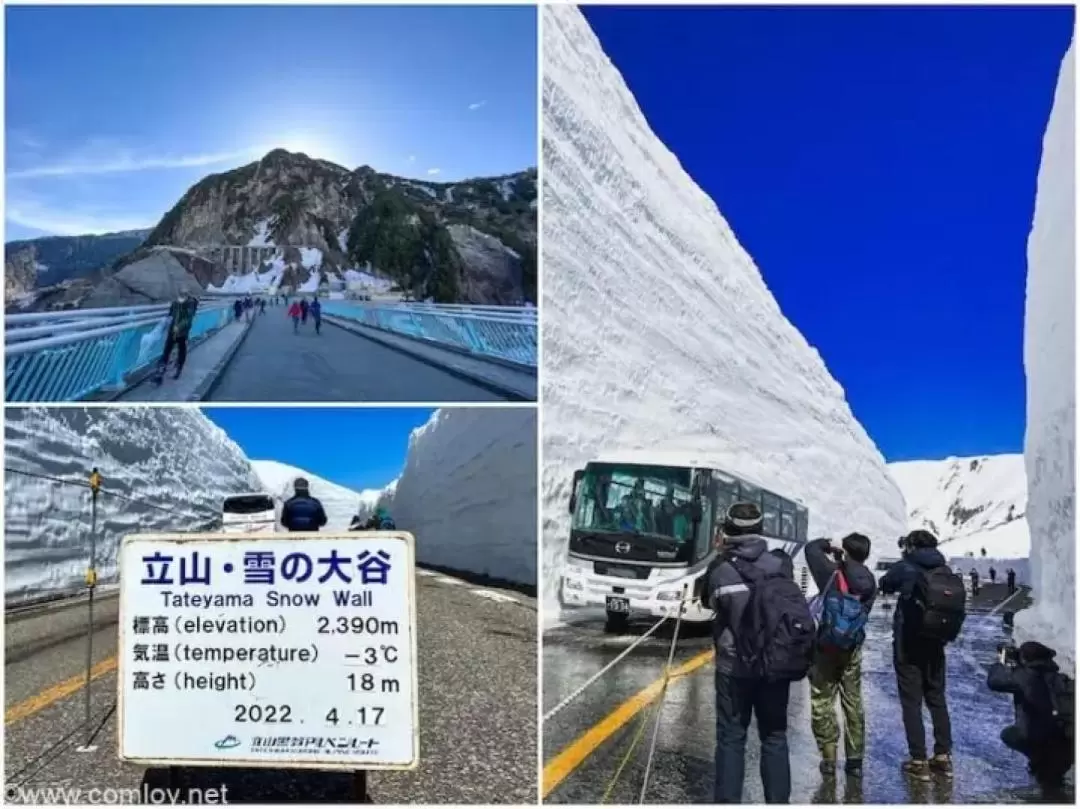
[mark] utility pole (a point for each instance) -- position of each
(91, 583)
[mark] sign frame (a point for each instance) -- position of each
(181, 539)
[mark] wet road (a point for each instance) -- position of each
(585, 743)
(478, 730)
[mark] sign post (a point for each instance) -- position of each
(288, 650)
(91, 583)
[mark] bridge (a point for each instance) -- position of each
(365, 351)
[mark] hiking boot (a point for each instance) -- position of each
(941, 764)
(828, 760)
(853, 767)
(916, 768)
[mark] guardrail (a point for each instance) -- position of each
(67, 356)
(501, 332)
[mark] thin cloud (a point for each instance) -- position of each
(125, 163)
(71, 222)
(476, 105)
(412, 158)
(433, 172)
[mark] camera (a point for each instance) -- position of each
(1008, 654)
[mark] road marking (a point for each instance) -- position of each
(494, 596)
(572, 756)
(448, 580)
(55, 693)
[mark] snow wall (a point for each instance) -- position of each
(468, 492)
(174, 464)
(658, 328)
(1049, 362)
(340, 503)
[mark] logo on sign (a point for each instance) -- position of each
(228, 743)
(622, 547)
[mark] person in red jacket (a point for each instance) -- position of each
(294, 313)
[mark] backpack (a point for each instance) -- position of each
(938, 605)
(386, 524)
(776, 636)
(843, 617)
(1061, 688)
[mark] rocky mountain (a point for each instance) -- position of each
(34, 264)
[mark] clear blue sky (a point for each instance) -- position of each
(880, 167)
(362, 448)
(114, 112)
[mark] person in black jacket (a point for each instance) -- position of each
(738, 699)
(836, 671)
(919, 664)
(1028, 676)
(302, 512)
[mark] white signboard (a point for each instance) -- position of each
(273, 650)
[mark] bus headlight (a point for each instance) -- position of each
(572, 584)
(668, 595)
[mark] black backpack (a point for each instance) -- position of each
(938, 605)
(776, 637)
(1061, 689)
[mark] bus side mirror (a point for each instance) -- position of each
(573, 494)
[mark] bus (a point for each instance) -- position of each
(254, 512)
(636, 559)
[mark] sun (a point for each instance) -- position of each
(310, 144)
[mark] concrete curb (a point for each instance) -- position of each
(511, 394)
(211, 380)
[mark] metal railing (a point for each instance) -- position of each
(68, 356)
(502, 332)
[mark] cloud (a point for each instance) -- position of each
(412, 158)
(476, 105)
(433, 171)
(71, 222)
(123, 162)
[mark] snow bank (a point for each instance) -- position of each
(174, 466)
(1049, 361)
(658, 328)
(340, 502)
(468, 492)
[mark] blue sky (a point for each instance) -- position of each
(880, 166)
(114, 112)
(362, 448)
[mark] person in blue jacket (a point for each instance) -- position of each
(302, 512)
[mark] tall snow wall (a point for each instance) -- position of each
(169, 468)
(1049, 362)
(468, 492)
(658, 328)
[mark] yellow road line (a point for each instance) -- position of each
(55, 693)
(571, 757)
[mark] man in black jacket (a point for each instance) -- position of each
(302, 512)
(1035, 733)
(919, 664)
(838, 671)
(738, 699)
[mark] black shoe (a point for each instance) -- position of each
(853, 767)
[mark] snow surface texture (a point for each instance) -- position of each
(174, 464)
(1049, 361)
(658, 328)
(340, 502)
(468, 492)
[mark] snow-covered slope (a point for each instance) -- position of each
(170, 466)
(969, 503)
(1049, 361)
(658, 328)
(468, 491)
(340, 502)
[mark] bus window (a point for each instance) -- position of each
(726, 494)
(749, 493)
(801, 527)
(787, 522)
(771, 514)
(246, 513)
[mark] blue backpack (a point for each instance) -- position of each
(843, 617)
(386, 524)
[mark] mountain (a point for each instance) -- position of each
(170, 467)
(340, 502)
(659, 331)
(31, 264)
(970, 504)
(1050, 367)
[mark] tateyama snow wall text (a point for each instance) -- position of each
(164, 469)
(468, 492)
(658, 328)
(1049, 362)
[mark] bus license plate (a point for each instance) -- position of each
(622, 572)
(618, 604)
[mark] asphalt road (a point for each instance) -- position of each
(585, 743)
(478, 728)
(275, 365)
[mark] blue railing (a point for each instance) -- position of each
(502, 332)
(69, 356)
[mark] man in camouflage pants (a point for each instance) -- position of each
(834, 670)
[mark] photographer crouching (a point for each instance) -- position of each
(1043, 702)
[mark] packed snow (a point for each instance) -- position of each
(468, 492)
(311, 257)
(1049, 362)
(340, 502)
(262, 235)
(169, 468)
(658, 327)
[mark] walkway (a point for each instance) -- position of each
(275, 365)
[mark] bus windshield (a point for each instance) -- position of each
(642, 500)
(248, 504)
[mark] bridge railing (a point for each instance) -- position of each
(68, 356)
(499, 332)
